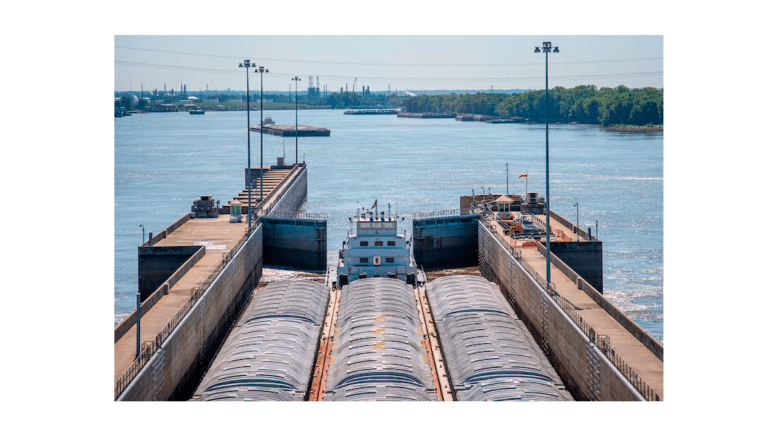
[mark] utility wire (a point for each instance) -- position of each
(389, 64)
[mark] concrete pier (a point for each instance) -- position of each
(598, 351)
(185, 318)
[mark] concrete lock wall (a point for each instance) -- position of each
(446, 241)
(295, 243)
(295, 194)
(640, 334)
(154, 297)
(589, 375)
(157, 264)
(173, 372)
(585, 258)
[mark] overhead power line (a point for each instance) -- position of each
(389, 64)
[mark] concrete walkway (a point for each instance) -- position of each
(218, 236)
(649, 367)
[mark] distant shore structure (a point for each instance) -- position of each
(290, 130)
(426, 115)
(371, 111)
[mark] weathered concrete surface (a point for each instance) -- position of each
(588, 372)
(218, 236)
(157, 263)
(170, 372)
(173, 371)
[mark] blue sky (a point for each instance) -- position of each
(422, 62)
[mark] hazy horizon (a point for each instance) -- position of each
(415, 63)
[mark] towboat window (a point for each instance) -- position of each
(364, 225)
(392, 243)
(389, 260)
(389, 225)
(362, 260)
(378, 243)
(377, 225)
(364, 243)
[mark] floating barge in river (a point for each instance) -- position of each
(488, 118)
(426, 115)
(289, 130)
(371, 111)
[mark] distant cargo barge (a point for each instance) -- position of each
(371, 111)
(426, 115)
(289, 130)
(488, 118)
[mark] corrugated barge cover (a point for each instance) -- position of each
(489, 351)
(378, 354)
(269, 354)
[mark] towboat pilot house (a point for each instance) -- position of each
(376, 250)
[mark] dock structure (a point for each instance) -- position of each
(290, 130)
(635, 354)
(194, 281)
(371, 112)
(272, 178)
(426, 115)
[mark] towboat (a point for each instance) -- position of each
(376, 250)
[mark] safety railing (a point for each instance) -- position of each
(297, 215)
(440, 213)
(600, 341)
(266, 209)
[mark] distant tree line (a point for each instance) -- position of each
(581, 104)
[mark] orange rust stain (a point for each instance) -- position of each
(429, 358)
(319, 379)
(379, 346)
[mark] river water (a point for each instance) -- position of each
(164, 161)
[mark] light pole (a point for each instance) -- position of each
(261, 70)
(507, 177)
(296, 120)
(577, 205)
(247, 64)
(137, 298)
(546, 48)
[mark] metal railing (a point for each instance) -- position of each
(602, 342)
(440, 213)
(296, 215)
(266, 209)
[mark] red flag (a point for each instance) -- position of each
(525, 175)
